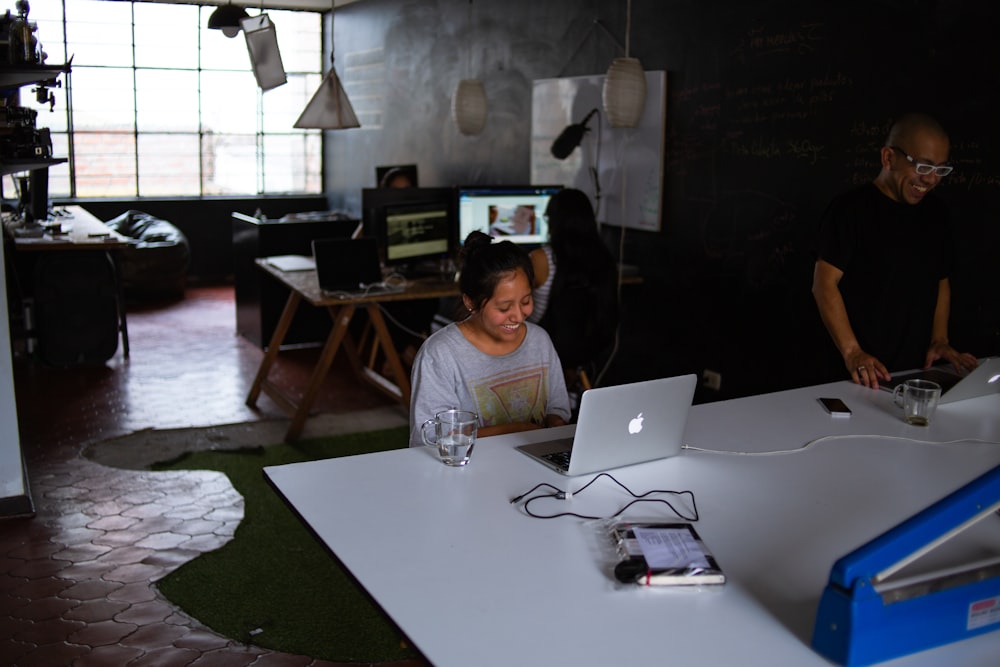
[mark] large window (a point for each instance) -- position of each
(158, 105)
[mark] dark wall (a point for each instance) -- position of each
(207, 224)
(772, 108)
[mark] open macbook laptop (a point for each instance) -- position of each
(350, 267)
(621, 425)
(981, 381)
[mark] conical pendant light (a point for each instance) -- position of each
(624, 92)
(329, 108)
(468, 104)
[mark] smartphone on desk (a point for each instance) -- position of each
(836, 407)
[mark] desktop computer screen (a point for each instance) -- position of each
(416, 231)
(411, 224)
(510, 212)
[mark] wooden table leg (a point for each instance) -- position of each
(116, 266)
(342, 318)
(392, 356)
(271, 353)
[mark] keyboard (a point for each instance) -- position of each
(559, 459)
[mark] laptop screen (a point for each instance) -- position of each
(346, 264)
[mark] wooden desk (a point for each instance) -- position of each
(81, 232)
(259, 298)
(303, 286)
(471, 580)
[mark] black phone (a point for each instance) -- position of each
(836, 407)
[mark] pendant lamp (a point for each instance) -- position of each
(227, 19)
(468, 104)
(624, 92)
(329, 108)
(262, 44)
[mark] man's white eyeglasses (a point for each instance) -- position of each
(924, 168)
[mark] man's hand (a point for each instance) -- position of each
(962, 361)
(865, 369)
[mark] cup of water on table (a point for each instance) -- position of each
(919, 399)
(452, 434)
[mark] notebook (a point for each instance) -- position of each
(983, 380)
(292, 262)
(350, 268)
(621, 425)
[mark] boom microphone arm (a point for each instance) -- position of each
(571, 137)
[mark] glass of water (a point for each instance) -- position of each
(919, 399)
(452, 434)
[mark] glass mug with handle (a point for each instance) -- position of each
(919, 399)
(453, 435)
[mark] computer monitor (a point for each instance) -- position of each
(508, 212)
(411, 224)
(416, 232)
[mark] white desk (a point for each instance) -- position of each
(472, 580)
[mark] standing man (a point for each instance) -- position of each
(885, 253)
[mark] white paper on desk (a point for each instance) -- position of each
(669, 548)
(292, 262)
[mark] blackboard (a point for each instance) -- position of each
(773, 107)
(622, 165)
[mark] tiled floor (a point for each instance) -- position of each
(77, 581)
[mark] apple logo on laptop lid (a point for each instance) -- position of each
(635, 425)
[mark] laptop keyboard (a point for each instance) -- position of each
(560, 459)
(946, 378)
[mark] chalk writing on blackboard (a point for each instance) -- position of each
(760, 41)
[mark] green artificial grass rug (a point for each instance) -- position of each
(274, 584)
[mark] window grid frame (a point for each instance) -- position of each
(302, 162)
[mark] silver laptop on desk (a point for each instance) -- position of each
(621, 425)
(981, 381)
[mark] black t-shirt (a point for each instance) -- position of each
(893, 256)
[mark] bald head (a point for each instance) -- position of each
(911, 125)
(915, 139)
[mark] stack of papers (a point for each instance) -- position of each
(292, 262)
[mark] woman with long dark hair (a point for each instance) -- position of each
(576, 282)
(492, 361)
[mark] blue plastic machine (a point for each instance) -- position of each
(864, 619)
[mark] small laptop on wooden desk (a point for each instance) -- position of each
(350, 268)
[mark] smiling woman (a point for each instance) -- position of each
(160, 105)
(493, 362)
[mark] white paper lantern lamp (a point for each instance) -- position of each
(624, 92)
(468, 106)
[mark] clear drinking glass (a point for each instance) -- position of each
(453, 435)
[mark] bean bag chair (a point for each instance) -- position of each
(157, 259)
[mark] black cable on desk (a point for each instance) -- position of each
(567, 495)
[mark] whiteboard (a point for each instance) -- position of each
(625, 160)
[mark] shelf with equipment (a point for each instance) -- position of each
(25, 148)
(17, 76)
(13, 166)
(33, 146)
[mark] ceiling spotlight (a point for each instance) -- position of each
(227, 19)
